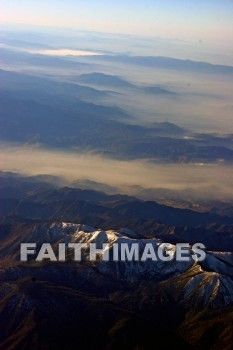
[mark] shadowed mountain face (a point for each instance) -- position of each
(35, 199)
(107, 297)
(44, 307)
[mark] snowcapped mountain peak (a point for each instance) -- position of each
(200, 282)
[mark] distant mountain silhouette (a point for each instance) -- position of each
(156, 90)
(103, 79)
(168, 63)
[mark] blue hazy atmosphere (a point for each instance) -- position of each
(206, 19)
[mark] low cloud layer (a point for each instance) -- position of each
(209, 181)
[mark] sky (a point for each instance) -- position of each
(184, 19)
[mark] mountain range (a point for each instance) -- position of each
(172, 297)
(32, 107)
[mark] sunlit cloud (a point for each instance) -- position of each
(65, 52)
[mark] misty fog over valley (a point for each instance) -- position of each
(170, 117)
